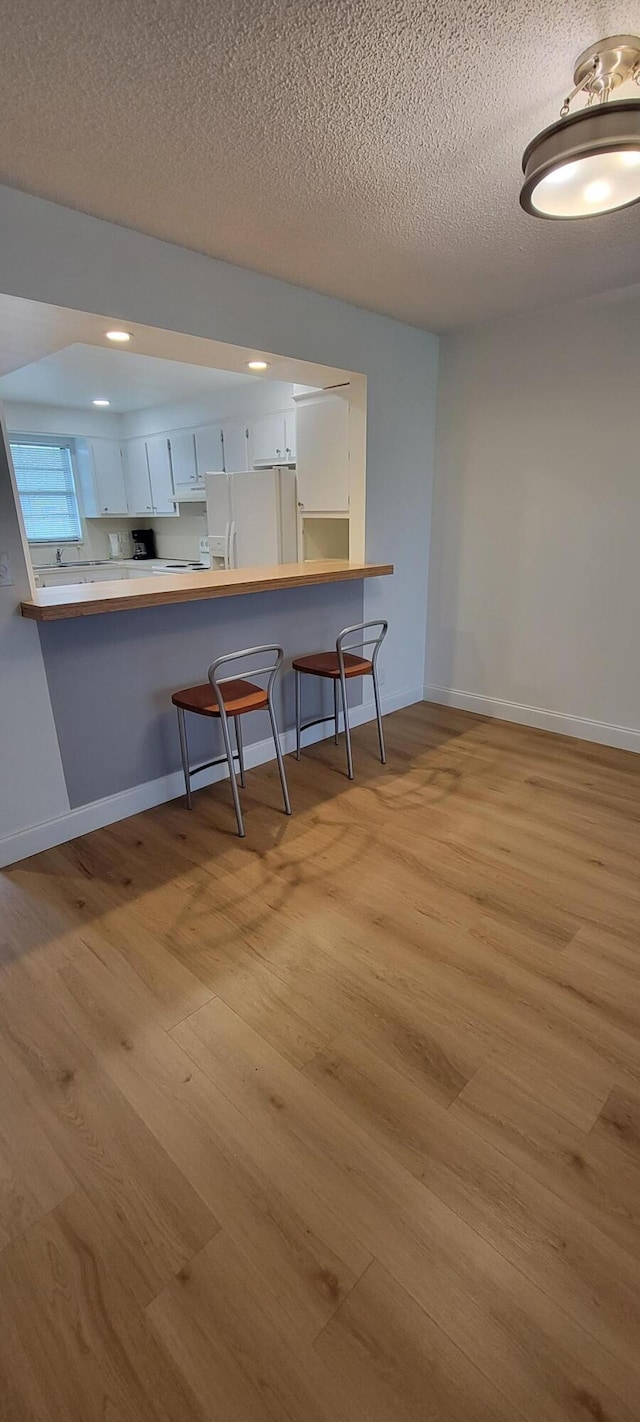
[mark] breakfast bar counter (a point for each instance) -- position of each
(87, 599)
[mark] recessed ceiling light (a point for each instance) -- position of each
(121, 336)
(101, 402)
(258, 364)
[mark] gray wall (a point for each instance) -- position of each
(52, 254)
(27, 727)
(535, 577)
(111, 678)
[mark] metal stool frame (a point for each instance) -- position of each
(217, 682)
(341, 648)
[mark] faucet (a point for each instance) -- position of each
(59, 557)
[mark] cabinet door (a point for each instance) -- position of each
(183, 459)
(209, 456)
(106, 575)
(111, 494)
(136, 473)
(322, 459)
(267, 438)
(235, 440)
(290, 434)
(159, 461)
(63, 579)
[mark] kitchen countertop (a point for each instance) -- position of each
(87, 599)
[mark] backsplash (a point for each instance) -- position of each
(180, 537)
(175, 538)
(95, 543)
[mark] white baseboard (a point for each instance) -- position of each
(169, 787)
(623, 737)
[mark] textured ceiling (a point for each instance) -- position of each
(365, 148)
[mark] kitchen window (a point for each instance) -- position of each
(46, 485)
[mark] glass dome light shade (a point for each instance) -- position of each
(584, 165)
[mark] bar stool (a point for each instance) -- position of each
(340, 666)
(231, 697)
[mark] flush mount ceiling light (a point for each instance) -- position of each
(258, 364)
(101, 402)
(589, 162)
(120, 336)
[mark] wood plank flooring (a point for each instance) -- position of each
(340, 1123)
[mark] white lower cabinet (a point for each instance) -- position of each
(105, 574)
(67, 577)
(64, 578)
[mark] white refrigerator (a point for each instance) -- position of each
(252, 518)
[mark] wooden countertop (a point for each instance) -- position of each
(86, 599)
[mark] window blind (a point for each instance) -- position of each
(44, 475)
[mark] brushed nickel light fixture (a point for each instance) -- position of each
(589, 162)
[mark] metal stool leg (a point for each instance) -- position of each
(297, 689)
(240, 743)
(335, 711)
(182, 732)
(347, 729)
(376, 693)
(276, 742)
(224, 722)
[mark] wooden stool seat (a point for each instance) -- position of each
(230, 698)
(328, 664)
(239, 696)
(339, 667)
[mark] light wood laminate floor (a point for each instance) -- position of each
(340, 1123)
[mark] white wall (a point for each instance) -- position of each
(26, 418)
(534, 596)
(248, 399)
(52, 254)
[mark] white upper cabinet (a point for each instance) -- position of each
(101, 476)
(182, 447)
(209, 456)
(160, 478)
(136, 470)
(267, 442)
(290, 434)
(235, 442)
(322, 460)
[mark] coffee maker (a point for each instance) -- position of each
(144, 543)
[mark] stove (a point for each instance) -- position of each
(183, 568)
